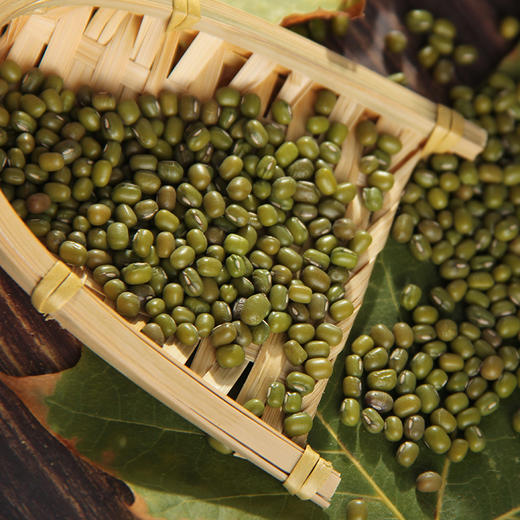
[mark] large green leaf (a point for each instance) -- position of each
(168, 462)
(484, 486)
(163, 457)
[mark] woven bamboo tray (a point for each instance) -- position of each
(129, 47)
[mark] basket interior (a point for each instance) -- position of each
(128, 54)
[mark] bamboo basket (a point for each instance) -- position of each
(129, 47)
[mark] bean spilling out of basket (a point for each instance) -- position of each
(197, 217)
(439, 50)
(429, 381)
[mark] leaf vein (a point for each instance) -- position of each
(388, 279)
(143, 453)
(361, 469)
(122, 421)
(507, 514)
(440, 495)
(228, 497)
(359, 495)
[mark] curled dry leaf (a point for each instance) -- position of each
(289, 12)
(354, 11)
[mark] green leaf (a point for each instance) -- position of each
(510, 65)
(276, 11)
(168, 463)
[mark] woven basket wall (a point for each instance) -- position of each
(126, 54)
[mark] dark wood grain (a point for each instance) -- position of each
(40, 478)
(476, 21)
(31, 345)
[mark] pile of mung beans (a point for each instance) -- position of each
(305, 346)
(440, 51)
(321, 30)
(200, 217)
(429, 381)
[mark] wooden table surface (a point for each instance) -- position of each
(39, 477)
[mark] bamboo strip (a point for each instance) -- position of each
(257, 75)
(68, 28)
(88, 52)
(297, 91)
(84, 64)
(135, 79)
(295, 86)
(251, 352)
(9, 36)
(110, 68)
(348, 113)
(266, 369)
(224, 379)
(147, 44)
(111, 27)
(233, 62)
(178, 352)
(31, 40)
(204, 358)
(253, 73)
(198, 70)
(163, 62)
(98, 22)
